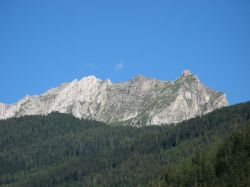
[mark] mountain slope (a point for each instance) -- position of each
(223, 165)
(139, 101)
(61, 150)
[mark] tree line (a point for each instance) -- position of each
(61, 150)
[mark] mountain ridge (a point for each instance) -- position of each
(141, 100)
(61, 150)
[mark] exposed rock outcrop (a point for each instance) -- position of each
(138, 101)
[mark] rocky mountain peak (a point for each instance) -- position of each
(140, 78)
(90, 78)
(186, 73)
(188, 78)
(140, 101)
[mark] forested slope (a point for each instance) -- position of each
(60, 150)
(223, 165)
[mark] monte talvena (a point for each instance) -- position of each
(139, 101)
(95, 133)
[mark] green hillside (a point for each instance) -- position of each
(224, 165)
(60, 150)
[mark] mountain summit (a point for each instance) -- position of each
(138, 101)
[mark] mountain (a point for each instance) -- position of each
(59, 150)
(138, 101)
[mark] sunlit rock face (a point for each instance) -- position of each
(139, 101)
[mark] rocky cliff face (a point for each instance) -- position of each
(138, 101)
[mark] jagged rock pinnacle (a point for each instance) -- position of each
(186, 72)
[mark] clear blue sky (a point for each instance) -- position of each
(48, 42)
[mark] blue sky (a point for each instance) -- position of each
(48, 42)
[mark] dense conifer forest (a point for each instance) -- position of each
(63, 151)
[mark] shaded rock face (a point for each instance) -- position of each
(138, 101)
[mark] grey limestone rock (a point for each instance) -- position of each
(140, 101)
